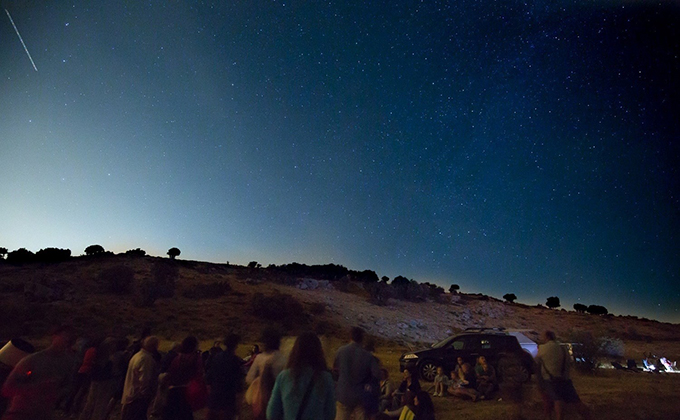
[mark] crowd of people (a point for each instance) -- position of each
(91, 382)
(91, 379)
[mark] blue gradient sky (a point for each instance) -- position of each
(510, 147)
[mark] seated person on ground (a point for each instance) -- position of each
(410, 383)
(468, 384)
(458, 368)
(386, 390)
(418, 406)
(487, 382)
(440, 382)
(406, 409)
(424, 407)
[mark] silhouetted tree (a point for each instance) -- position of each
(94, 249)
(3, 252)
(553, 302)
(400, 281)
(400, 286)
(580, 308)
(320, 272)
(366, 276)
(384, 279)
(510, 297)
(20, 256)
(173, 252)
(434, 290)
(379, 292)
(136, 252)
(252, 264)
(52, 255)
(416, 291)
(597, 310)
(454, 288)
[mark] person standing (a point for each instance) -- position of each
(119, 364)
(225, 379)
(82, 379)
(102, 383)
(140, 381)
(264, 371)
(271, 341)
(167, 359)
(304, 390)
(34, 383)
(355, 368)
(553, 361)
(187, 366)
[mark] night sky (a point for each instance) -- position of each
(506, 146)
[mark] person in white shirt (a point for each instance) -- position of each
(140, 381)
(271, 341)
(270, 363)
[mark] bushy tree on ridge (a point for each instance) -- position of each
(94, 249)
(552, 302)
(580, 308)
(173, 253)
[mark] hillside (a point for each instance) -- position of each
(211, 299)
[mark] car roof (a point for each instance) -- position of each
(485, 333)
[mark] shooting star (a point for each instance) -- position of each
(21, 39)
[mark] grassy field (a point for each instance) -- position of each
(611, 394)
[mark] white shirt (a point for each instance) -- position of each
(277, 360)
(141, 376)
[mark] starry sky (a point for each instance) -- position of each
(526, 147)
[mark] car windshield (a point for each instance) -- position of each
(442, 343)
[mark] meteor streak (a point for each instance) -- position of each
(21, 39)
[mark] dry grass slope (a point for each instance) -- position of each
(211, 299)
(73, 293)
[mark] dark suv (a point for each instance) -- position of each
(494, 344)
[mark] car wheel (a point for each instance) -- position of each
(428, 370)
(511, 368)
(524, 374)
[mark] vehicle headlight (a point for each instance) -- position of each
(409, 356)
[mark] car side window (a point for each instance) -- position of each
(497, 343)
(458, 344)
(470, 343)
